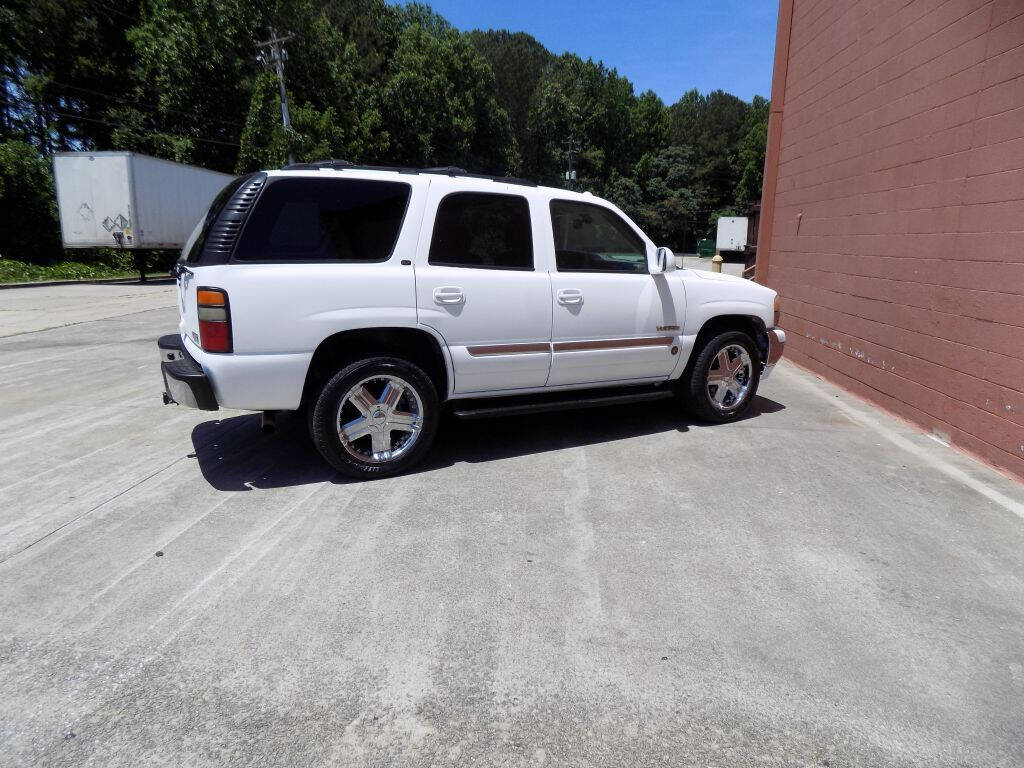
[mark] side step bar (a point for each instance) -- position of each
(484, 408)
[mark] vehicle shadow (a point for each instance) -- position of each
(234, 456)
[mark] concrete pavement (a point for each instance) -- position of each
(815, 585)
(36, 308)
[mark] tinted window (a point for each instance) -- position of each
(481, 230)
(590, 238)
(211, 216)
(325, 220)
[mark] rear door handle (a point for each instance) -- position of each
(570, 296)
(449, 295)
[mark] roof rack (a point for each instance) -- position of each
(448, 170)
(445, 170)
(317, 164)
(452, 170)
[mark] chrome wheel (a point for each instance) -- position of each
(380, 419)
(729, 377)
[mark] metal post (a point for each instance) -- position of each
(285, 120)
(273, 54)
(571, 148)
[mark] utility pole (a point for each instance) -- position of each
(272, 55)
(571, 148)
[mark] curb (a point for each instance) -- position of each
(161, 279)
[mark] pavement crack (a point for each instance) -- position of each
(87, 512)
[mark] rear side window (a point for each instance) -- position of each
(591, 238)
(344, 220)
(482, 230)
(193, 253)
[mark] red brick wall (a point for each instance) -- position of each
(897, 238)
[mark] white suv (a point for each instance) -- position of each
(370, 297)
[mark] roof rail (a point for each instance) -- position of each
(331, 163)
(513, 180)
(453, 170)
(450, 170)
(446, 170)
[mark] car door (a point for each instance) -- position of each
(477, 286)
(612, 321)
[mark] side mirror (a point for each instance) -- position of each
(664, 260)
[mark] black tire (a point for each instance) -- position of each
(696, 391)
(358, 460)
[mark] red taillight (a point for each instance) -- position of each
(214, 320)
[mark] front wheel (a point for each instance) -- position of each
(724, 377)
(375, 417)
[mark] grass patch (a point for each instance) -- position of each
(12, 271)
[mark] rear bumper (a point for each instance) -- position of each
(776, 345)
(185, 383)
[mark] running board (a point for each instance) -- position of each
(487, 407)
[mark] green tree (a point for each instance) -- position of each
(675, 197)
(519, 63)
(314, 134)
(712, 125)
(593, 105)
(193, 78)
(751, 154)
(335, 70)
(650, 124)
(264, 143)
(367, 81)
(28, 210)
(439, 103)
(63, 63)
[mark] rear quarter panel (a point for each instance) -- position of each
(281, 312)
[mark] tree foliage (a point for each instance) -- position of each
(28, 208)
(367, 81)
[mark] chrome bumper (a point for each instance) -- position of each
(776, 344)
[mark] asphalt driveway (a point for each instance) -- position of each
(815, 585)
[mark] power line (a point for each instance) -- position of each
(158, 133)
(97, 4)
(132, 102)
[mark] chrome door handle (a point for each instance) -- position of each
(570, 296)
(449, 295)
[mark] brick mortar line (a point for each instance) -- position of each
(861, 114)
(894, 56)
(902, 51)
(891, 325)
(903, 282)
(882, 301)
(850, 335)
(844, 255)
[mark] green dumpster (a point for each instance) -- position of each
(706, 247)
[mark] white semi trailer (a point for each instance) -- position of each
(731, 236)
(128, 200)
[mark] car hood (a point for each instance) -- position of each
(719, 276)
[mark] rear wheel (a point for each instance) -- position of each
(724, 377)
(375, 417)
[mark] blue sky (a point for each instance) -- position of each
(668, 46)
